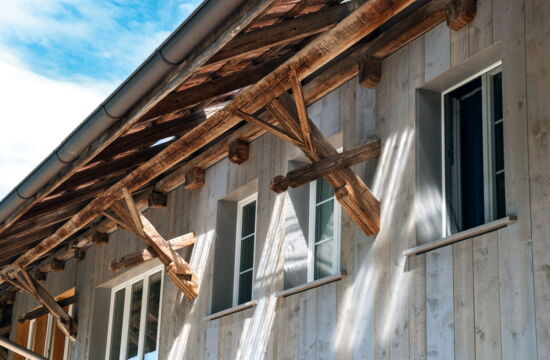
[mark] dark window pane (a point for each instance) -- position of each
(247, 253)
(324, 218)
(116, 326)
(323, 259)
(152, 317)
(324, 190)
(249, 219)
(500, 195)
(134, 320)
(499, 147)
(497, 96)
(465, 120)
(245, 287)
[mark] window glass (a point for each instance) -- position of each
(116, 327)
(323, 244)
(152, 317)
(500, 197)
(134, 320)
(246, 255)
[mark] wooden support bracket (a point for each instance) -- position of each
(238, 151)
(194, 178)
(147, 254)
(460, 13)
(357, 199)
(64, 321)
(176, 267)
(323, 167)
(370, 71)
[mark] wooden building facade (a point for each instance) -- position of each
(417, 270)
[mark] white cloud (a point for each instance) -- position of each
(36, 114)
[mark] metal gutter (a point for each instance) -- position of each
(172, 52)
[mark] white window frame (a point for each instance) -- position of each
(236, 271)
(311, 233)
(488, 135)
(144, 302)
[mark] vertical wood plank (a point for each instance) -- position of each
(326, 319)
(464, 300)
(416, 265)
(439, 304)
(538, 115)
(438, 54)
(481, 28)
(308, 325)
(381, 243)
(518, 334)
(486, 295)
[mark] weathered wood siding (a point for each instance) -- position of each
(483, 298)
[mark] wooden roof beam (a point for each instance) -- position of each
(281, 33)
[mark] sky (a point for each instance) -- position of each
(59, 59)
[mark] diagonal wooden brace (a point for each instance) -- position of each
(359, 202)
(176, 267)
(64, 321)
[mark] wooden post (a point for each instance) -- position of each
(370, 71)
(238, 151)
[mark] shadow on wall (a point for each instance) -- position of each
(379, 274)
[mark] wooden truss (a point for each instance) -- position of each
(26, 283)
(296, 127)
(130, 218)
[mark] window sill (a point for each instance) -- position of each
(463, 235)
(232, 310)
(310, 285)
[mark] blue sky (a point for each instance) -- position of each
(59, 59)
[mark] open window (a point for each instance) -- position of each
(473, 155)
(460, 179)
(135, 317)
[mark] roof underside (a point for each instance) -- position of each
(239, 64)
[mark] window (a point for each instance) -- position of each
(134, 318)
(324, 231)
(244, 250)
(473, 153)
